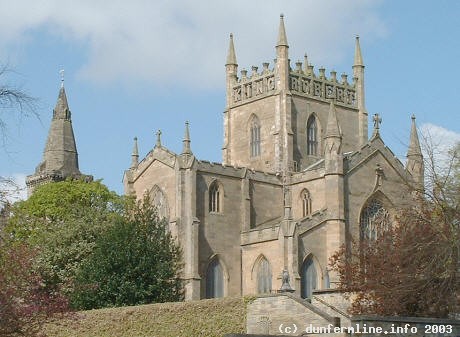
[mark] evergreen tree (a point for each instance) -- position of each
(135, 261)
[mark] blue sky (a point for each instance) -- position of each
(131, 70)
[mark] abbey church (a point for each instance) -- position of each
(299, 177)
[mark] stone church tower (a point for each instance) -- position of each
(60, 157)
(299, 177)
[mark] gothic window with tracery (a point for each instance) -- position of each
(215, 197)
(160, 201)
(312, 136)
(306, 203)
(214, 280)
(255, 138)
(264, 277)
(374, 220)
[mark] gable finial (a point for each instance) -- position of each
(377, 121)
(158, 144)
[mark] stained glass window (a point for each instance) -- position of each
(374, 220)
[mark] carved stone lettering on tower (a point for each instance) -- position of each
(322, 88)
(261, 84)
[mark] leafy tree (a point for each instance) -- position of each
(410, 270)
(24, 302)
(63, 219)
(413, 269)
(135, 261)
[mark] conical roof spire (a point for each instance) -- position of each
(282, 39)
(61, 110)
(358, 56)
(186, 147)
(135, 155)
(414, 145)
(333, 129)
(60, 157)
(60, 153)
(231, 56)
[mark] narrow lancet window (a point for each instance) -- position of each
(312, 136)
(306, 203)
(264, 277)
(255, 138)
(215, 198)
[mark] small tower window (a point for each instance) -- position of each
(255, 138)
(215, 197)
(306, 202)
(312, 136)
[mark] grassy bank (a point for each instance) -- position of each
(208, 318)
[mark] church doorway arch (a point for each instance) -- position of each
(308, 278)
(215, 279)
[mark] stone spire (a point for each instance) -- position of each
(282, 39)
(231, 56)
(186, 147)
(415, 165)
(60, 153)
(283, 139)
(60, 157)
(358, 56)
(358, 74)
(414, 145)
(135, 155)
(231, 70)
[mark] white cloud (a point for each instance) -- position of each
(440, 139)
(179, 43)
(436, 143)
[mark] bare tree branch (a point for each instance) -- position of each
(13, 101)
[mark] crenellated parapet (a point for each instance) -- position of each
(257, 85)
(302, 81)
(306, 83)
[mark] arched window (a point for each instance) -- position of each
(214, 280)
(308, 278)
(264, 277)
(312, 136)
(255, 137)
(215, 197)
(374, 220)
(160, 201)
(306, 202)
